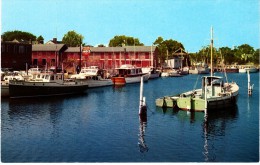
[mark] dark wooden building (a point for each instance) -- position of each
(15, 54)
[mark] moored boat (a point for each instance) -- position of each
(250, 68)
(94, 77)
(5, 79)
(153, 73)
(129, 74)
(214, 94)
(46, 85)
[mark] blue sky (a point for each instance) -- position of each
(235, 22)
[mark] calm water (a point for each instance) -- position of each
(103, 126)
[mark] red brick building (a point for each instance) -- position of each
(15, 54)
(113, 57)
(47, 54)
(104, 57)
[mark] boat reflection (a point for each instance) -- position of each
(214, 124)
(141, 141)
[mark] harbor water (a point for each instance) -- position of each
(103, 125)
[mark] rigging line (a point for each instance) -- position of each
(194, 87)
(224, 69)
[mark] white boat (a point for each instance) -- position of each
(129, 74)
(169, 72)
(5, 79)
(153, 73)
(46, 84)
(86, 71)
(94, 76)
(250, 68)
(199, 70)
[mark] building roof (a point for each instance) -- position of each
(73, 49)
(48, 47)
(124, 48)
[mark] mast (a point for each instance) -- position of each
(211, 53)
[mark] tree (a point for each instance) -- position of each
(124, 41)
(18, 35)
(244, 53)
(166, 45)
(227, 54)
(72, 39)
(255, 58)
(40, 39)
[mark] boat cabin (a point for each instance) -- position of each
(214, 86)
(129, 70)
(47, 77)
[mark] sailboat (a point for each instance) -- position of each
(214, 94)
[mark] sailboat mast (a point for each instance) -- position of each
(211, 53)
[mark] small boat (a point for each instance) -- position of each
(231, 69)
(5, 79)
(153, 73)
(214, 94)
(169, 72)
(46, 84)
(174, 73)
(129, 74)
(250, 68)
(199, 70)
(94, 77)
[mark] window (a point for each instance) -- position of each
(35, 61)
(2, 48)
(43, 61)
(21, 49)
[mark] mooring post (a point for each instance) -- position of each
(249, 86)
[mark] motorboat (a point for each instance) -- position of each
(129, 74)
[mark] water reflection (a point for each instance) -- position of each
(214, 124)
(141, 141)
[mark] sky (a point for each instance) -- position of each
(235, 22)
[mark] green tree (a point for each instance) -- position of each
(244, 53)
(18, 35)
(255, 58)
(166, 45)
(72, 39)
(40, 39)
(123, 40)
(227, 54)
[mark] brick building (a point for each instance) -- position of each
(113, 57)
(47, 54)
(15, 54)
(104, 57)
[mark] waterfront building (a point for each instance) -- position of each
(47, 54)
(114, 57)
(103, 57)
(15, 54)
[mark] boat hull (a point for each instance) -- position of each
(129, 79)
(37, 89)
(118, 80)
(193, 104)
(99, 83)
(4, 90)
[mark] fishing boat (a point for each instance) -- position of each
(129, 74)
(214, 94)
(46, 84)
(94, 77)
